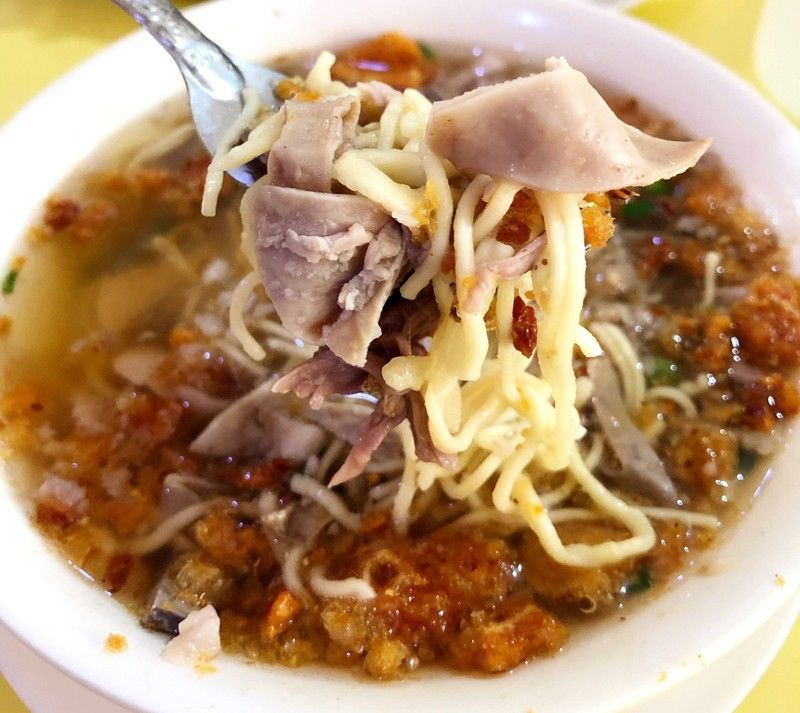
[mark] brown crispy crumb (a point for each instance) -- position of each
(93, 220)
(764, 402)
(385, 658)
(287, 89)
(448, 261)
(703, 457)
(5, 324)
(117, 572)
(53, 515)
(524, 328)
(767, 322)
(522, 220)
(494, 643)
(374, 520)
(705, 341)
(178, 336)
(115, 643)
(20, 400)
(712, 198)
(283, 609)
(577, 589)
(257, 476)
(598, 223)
(60, 213)
(237, 547)
(392, 58)
(293, 89)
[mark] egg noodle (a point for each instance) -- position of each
(510, 420)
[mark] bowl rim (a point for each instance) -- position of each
(35, 636)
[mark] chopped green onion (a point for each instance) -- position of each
(661, 371)
(10, 281)
(641, 582)
(659, 188)
(747, 460)
(638, 210)
(427, 50)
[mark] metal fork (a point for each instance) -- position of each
(215, 80)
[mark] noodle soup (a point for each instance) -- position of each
(103, 413)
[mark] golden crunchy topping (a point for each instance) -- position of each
(767, 322)
(703, 457)
(115, 643)
(281, 612)
(179, 335)
(522, 221)
(392, 58)
(598, 223)
(524, 328)
(294, 89)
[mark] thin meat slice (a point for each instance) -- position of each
(259, 425)
(523, 130)
(346, 419)
(378, 426)
(363, 297)
(507, 268)
(328, 263)
(315, 133)
(423, 443)
(321, 376)
(642, 469)
(377, 93)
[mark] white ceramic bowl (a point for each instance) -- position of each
(606, 667)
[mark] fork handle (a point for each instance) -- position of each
(201, 61)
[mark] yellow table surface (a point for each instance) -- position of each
(41, 39)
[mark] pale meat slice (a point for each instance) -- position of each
(552, 131)
(259, 425)
(641, 469)
(378, 93)
(346, 419)
(314, 134)
(328, 263)
(363, 297)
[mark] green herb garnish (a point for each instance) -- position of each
(10, 281)
(641, 582)
(747, 460)
(427, 50)
(659, 188)
(638, 209)
(663, 372)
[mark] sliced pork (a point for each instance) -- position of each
(346, 419)
(641, 468)
(363, 297)
(375, 430)
(259, 425)
(315, 133)
(552, 131)
(328, 263)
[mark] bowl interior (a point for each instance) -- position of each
(610, 665)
